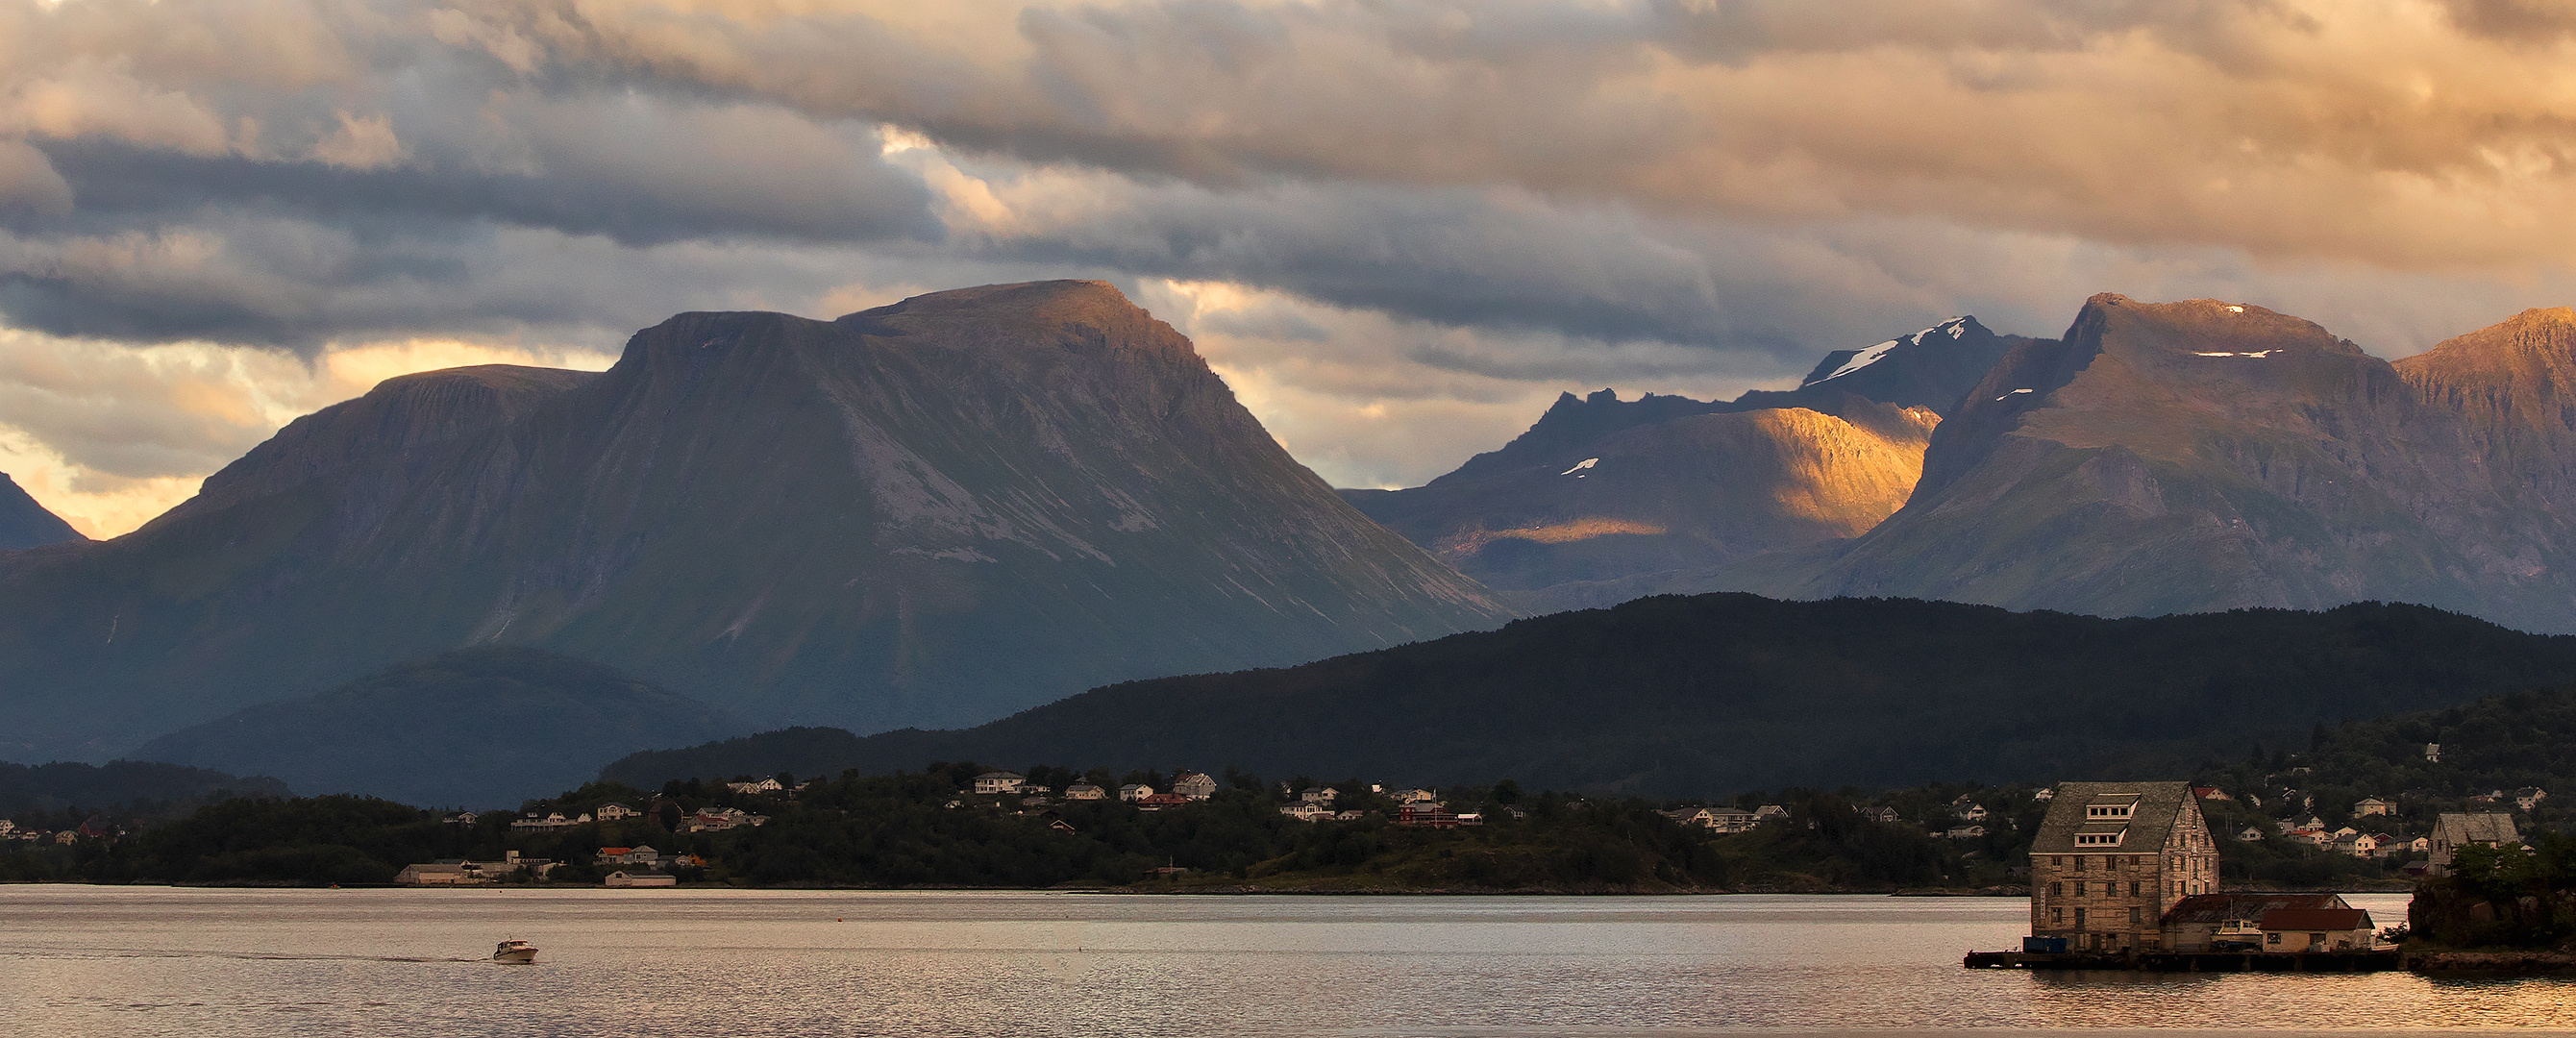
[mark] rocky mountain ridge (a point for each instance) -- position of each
(2157, 458)
(1601, 493)
(24, 523)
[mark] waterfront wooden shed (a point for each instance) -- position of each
(2317, 930)
(2203, 922)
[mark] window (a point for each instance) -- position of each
(2057, 890)
(2110, 889)
(2133, 890)
(2271, 938)
(2133, 917)
(2079, 863)
(2106, 811)
(2101, 840)
(2079, 918)
(2057, 915)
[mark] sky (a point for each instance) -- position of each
(1398, 228)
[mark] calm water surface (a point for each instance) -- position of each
(150, 961)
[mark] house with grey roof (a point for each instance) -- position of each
(2454, 830)
(2112, 858)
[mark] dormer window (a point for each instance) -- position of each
(2114, 811)
(2099, 839)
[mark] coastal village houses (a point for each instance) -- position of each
(2112, 858)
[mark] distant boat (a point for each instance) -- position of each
(518, 953)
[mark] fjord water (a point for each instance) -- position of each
(124, 961)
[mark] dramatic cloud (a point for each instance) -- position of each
(1398, 227)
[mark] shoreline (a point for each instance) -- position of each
(1221, 890)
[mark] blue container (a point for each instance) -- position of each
(2044, 945)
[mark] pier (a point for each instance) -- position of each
(2194, 962)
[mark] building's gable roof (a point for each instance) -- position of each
(2483, 827)
(2316, 919)
(2220, 908)
(2158, 804)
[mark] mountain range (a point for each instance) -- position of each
(1604, 490)
(934, 512)
(2157, 458)
(1727, 693)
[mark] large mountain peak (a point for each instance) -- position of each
(1926, 368)
(1073, 316)
(1840, 363)
(398, 418)
(2514, 383)
(2536, 344)
(947, 509)
(1063, 302)
(2200, 454)
(27, 524)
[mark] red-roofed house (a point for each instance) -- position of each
(2316, 929)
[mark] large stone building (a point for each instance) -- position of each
(2112, 858)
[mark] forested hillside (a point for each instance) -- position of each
(1715, 694)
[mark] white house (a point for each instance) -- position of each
(1194, 785)
(999, 782)
(1134, 791)
(1085, 791)
(617, 812)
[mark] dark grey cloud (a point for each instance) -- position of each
(2531, 21)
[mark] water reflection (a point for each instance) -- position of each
(78, 961)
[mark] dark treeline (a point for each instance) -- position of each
(2502, 742)
(63, 794)
(921, 829)
(1700, 695)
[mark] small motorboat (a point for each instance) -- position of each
(517, 953)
